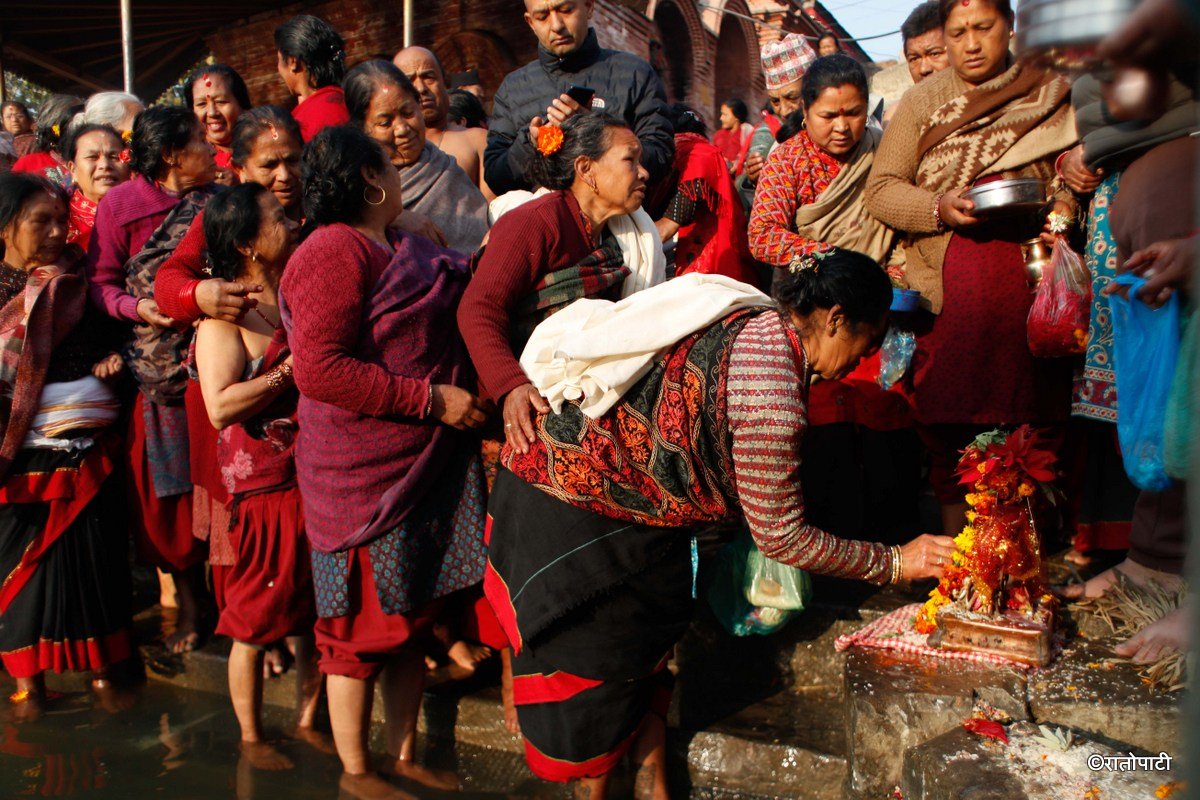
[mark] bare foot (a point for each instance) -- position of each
(265, 757)
(433, 778)
(469, 655)
(1100, 584)
(274, 661)
(29, 705)
(1077, 558)
(318, 740)
(369, 786)
(1167, 635)
(183, 640)
(511, 722)
(111, 698)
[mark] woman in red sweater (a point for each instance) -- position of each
(311, 61)
(265, 149)
(550, 252)
(392, 487)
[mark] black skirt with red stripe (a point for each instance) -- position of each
(72, 611)
(594, 607)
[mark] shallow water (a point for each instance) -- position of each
(182, 744)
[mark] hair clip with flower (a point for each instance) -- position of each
(810, 261)
(549, 140)
(125, 156)
(127, 137)
(56, 130)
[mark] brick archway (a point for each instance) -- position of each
(737, 60)
(680, 52)
(480, 49)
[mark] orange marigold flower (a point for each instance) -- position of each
(550, 139)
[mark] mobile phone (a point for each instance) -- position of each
(582, 95)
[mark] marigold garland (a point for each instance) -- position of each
(1007, 472)
(549, 140)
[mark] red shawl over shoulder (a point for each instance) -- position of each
(715, 243)
(32, 324)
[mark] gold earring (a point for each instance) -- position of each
(382, 192)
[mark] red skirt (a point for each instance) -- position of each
(268, 592)
(973, 366)
(162, 526)
(359, 644)
(210, 500)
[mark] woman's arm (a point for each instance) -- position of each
(773, 239)
(892, 195)
(507, 272)
(107, 255)
(221, 362)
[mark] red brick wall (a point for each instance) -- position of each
(489, 34)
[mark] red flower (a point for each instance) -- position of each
(125, 156)
(986, 727)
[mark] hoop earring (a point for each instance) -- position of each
(382, 192)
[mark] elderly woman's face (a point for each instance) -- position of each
(394, 119)
(977, 37)
(276, 233)
(837, 346)
(15, 121)
(274, 162)
(97, 166)
(836, 119)
(618, 176)
(38, 234)
(217, 109)
(194, 165)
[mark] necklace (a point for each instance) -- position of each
(263, 317)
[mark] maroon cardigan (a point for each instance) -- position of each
(529, 242)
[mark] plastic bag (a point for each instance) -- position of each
(1145, 352)
(1058, 320)
(895, 354)
(770, 584)
(1183, 406)
(727, 593)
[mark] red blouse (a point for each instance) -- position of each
(324, 107)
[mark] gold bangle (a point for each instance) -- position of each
(279, 377)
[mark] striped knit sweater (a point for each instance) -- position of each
(768, 418)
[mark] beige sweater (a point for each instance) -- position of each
(893, 197)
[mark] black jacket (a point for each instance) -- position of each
(626, 87)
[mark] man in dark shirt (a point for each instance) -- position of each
(569, 54)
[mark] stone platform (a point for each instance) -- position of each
(787, 716)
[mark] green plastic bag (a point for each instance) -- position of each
(770, 584)
(738, 568)
(1183, 404)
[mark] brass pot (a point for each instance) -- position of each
(1037, 257)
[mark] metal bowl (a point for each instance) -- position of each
(1005, 196)
(1066, 32)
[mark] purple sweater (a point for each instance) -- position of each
(126, 218)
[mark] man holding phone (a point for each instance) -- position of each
(573, 73)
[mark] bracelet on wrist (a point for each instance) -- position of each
(279, 377)
(428, 410)
(937, 212)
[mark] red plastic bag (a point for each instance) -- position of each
(1058, 321)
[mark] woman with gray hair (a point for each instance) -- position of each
(116, 109)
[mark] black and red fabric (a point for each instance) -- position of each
(571, 597)
(66, 601)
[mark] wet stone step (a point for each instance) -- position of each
(1091, 690)
(961, 766)
(785, 746)
(895, 701)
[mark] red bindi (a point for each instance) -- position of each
(208, 80)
